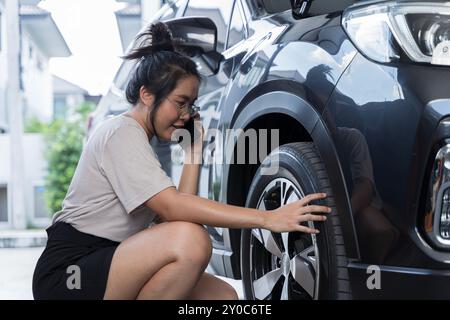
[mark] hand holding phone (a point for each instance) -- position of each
(190, 127)
(194, 132)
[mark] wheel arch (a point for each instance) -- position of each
(283, 108)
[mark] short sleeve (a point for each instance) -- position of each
(131, 167)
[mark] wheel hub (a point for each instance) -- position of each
(292, 265)
(286, 264)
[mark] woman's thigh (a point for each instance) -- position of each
(142, 255)
(210, 287)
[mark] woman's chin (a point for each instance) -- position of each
(169, 134)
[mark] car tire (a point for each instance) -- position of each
(315, 265)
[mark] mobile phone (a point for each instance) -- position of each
(190, 127)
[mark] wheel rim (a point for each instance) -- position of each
(283, 266)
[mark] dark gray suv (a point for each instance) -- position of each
(359, 93)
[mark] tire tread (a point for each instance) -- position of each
(308, 152)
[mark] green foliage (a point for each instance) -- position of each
(34, 125)
(64, 140)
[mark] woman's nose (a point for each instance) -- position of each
(185, 117)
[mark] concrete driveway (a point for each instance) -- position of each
(16, 273)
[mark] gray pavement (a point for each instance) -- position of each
(16, 273)
(23, 238)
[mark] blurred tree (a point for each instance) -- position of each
(64, 140)
(34, 125)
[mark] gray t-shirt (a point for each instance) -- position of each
(117, 173)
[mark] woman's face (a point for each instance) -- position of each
(169, 117)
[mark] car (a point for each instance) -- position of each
(358, 96)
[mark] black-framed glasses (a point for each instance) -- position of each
(186, 108)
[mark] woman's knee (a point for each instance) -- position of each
(192, 242)
(229, 293)
(170, 241)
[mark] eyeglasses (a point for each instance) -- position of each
(186, 108)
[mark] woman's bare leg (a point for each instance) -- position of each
(210, 287)
(163, 262)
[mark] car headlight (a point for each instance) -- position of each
(421, 29)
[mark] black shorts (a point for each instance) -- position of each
(74, 265)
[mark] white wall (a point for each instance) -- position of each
(3, 68)
(36, 77)
(4, 159)
(37, 81)
(35, 168)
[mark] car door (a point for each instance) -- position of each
(231, 32)
(213, 84)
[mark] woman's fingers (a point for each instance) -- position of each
(307, 230)
(294, 214)
(312, 217)
(311, 197)
(314, 208)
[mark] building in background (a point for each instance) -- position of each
(40, 40)
(3, 75)
(135, 15)
(67, 97)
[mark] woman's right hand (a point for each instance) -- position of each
(289, 217)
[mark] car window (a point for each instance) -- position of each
(318, 7)
(236, 33)
(172, 10)
(218, 11)
(246, 9)
(168, 14)
(275, 6)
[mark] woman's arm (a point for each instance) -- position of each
(182, 204)
(172, 205)
(189, 176)
(192, 162)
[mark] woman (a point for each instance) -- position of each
(100, 245)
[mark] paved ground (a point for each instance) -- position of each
(16, 272)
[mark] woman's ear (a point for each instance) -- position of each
(147, 98)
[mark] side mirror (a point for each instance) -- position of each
(197, 37)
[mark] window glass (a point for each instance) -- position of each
(59, 107)
(172, 10)
(236, 33)
(217, 11)
(3, 204)
(40, 206)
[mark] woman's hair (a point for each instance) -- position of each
(160, 68)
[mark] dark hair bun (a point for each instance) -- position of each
(161, 37)
(157, 38)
